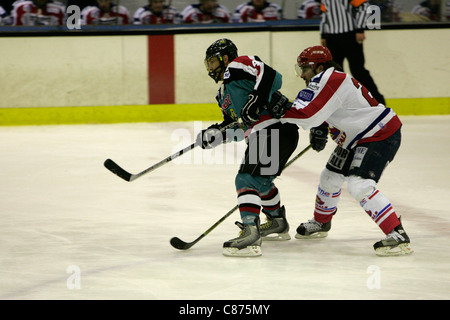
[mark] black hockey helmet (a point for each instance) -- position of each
(218, 49)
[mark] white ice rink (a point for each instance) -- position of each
(70, 229)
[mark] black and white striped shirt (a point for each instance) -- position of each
(342, 16)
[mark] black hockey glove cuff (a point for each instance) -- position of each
(210, 137)
(278, 105)
(217, 134)
(318, 137)
(251, 109)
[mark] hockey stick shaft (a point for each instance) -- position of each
(122, 173)
(180, 244)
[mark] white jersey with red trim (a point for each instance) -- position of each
(26, 13)
(193, 14)
(310, 9)
(145, 15)
(94, 15)
(351, 112)
(247, 12)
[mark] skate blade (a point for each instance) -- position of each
(316, 235)
(277, 237)
(250, 251)
(401, 249)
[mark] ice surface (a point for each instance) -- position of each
(70, 229)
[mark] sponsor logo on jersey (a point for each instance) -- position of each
(226, 103)
(305, 95)
(313, 86)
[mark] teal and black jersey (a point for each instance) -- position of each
(244, 75)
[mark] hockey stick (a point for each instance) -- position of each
(125, 175)
(177, 243)
(122, 173)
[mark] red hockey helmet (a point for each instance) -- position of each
(314, 55)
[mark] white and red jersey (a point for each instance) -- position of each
(26, 13)
(247, 12)
(310, 9)
(193, 14)
(144, 15)
(4, 19)
(351, 112)
(94, 15)
(431, 11)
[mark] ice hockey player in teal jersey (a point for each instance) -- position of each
(248, 85)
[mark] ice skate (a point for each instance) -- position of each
(276, 228)
(313, 230)
(247, 244)
(396, 243)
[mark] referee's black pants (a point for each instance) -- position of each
(344, 46)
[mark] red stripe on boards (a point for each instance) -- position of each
(161, 69)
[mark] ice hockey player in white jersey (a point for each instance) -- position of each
(367, 136)
(38, 13)
(258, 11)
(105, 13)
(206, 11)
(156, 12)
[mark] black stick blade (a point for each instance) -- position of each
(117, 170)
(177, 243)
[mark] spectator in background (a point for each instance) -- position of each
(206, 11)
(310, 9)
(105, 13)
(38, 13)
(429, 9)
(156, 12)
(258, 11)
(342, 32)
(390, 11)
(4, 18)
(81, 3)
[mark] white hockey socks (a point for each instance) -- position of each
(325, 205)
(379, 208)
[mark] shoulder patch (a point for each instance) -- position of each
(305, 95)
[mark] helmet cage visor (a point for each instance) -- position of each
(210, 62)
(299, 69)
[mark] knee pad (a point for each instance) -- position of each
(359, 187)
(331, 181)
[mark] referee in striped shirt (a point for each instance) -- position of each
(342, 31)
